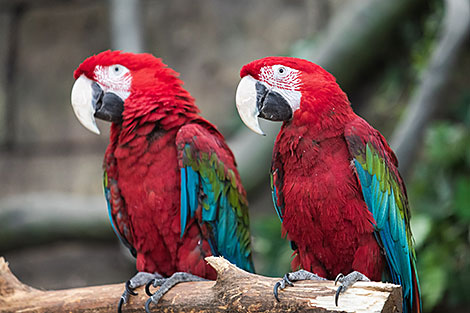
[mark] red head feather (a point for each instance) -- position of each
(323, 103)
(155, 90)
(253, 68)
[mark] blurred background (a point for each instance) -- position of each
(405, 65)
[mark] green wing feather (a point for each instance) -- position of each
(209, 182)
(385, 195)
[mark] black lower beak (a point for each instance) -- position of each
(108, 106)
(271, 105)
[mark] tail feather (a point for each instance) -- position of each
(416, 304)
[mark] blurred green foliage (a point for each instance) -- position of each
(440, 196)
(272, 253)
(439, 188)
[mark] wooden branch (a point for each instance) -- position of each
(235, 290)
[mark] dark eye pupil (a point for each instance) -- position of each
(281, 70)
(116, 69)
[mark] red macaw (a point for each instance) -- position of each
(336, 186)
(173, 191)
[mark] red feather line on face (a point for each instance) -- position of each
(290, 82)
(122, 83)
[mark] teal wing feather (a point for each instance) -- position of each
(385, 195)
(117, 212)
(211, 192)
(277, 174)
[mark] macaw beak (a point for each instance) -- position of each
(255, 100)
(90, 101)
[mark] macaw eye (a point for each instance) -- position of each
(117, 70)
(280, 71)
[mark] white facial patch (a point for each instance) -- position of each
(285, 81)
(114, 78)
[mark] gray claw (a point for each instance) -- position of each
(294, 276)
(339, 278)
(138, 280)
(347, 281)
(281, 284)
(167, 283)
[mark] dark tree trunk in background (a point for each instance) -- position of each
(408, 135)
(126, 25)
(9, 123)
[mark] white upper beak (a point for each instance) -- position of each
(81, 98)
(246, 103)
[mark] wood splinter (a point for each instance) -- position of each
(235, 290)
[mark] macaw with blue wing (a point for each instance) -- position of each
(335, 181)
(173, 191)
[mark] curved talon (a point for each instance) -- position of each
(129, 289)
(340, 276)
(121, 302)
(275, 291)
(338, 291)
(147, 288)
(281, 284)
(147, 305)
(286, 279)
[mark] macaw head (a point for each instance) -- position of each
(107, 83)
(285, 89)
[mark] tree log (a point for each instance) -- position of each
(235, 290)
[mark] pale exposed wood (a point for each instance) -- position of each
(235, 290)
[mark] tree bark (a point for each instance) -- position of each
(235, 291)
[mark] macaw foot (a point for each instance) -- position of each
(294, 276)
(165, 285)
(347, 281)
(140, 279)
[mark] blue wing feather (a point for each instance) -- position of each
(121, 237)
(385, 196)
(390, 226)
(184, 201)
(107, 195)
(189, 192)
(207, 186)
(276, 205)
